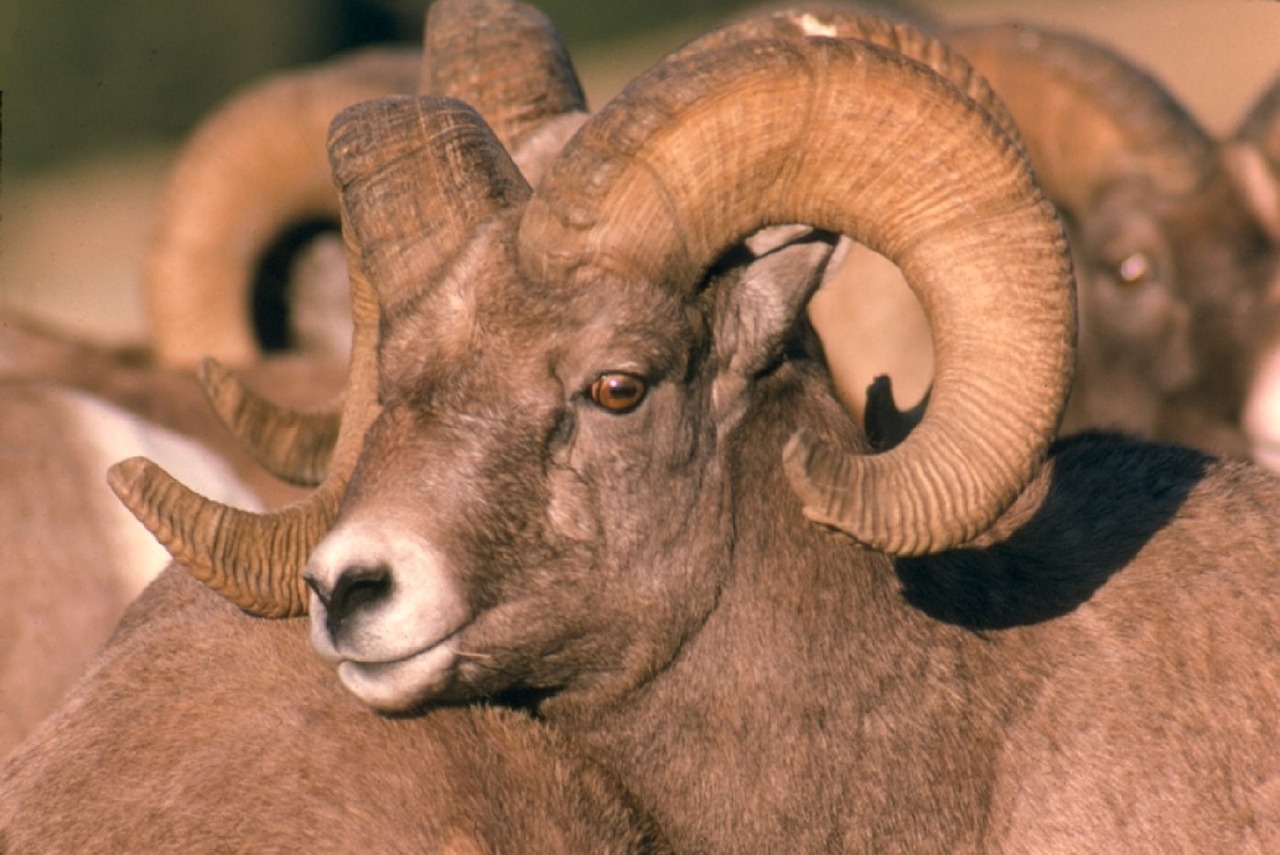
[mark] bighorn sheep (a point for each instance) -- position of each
(571, 472)
(1167, 256)
(72, 560)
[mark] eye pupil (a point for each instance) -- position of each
(618, 392)
(1134, 269)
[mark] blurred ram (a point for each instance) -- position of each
(72, 561)
(1173, 265)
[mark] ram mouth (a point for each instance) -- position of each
(394, 685)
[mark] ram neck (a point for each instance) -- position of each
(814, 711)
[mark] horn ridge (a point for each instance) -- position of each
(293, 445)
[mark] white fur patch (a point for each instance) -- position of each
(813, 27)
(106, 434)
(1262, 412)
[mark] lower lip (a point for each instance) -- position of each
(395, 686)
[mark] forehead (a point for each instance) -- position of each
(482, 312)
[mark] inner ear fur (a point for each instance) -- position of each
(1258, 182)
(771, 278)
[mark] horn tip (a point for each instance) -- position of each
(125, 476)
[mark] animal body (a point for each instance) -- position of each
(72, 560)
(199, 729)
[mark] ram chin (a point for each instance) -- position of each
(399, 685)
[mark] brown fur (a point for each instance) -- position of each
(46, 636)
(72, 558)
(201, 728)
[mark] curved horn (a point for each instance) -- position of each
(852, 138)
(838, 21)
(255, 560)
(387, 157)
(254, 166)
(393, 155)
(292, 445)
(506, 60)
(1088, 116)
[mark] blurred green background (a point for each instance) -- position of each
(111, 75)
(83, 78)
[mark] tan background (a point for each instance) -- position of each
(71, 238)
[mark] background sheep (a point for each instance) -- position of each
(644, 472)
(72, 557)
(249, 175)
(1172, 265)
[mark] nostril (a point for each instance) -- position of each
(317, 587)
(357, 588)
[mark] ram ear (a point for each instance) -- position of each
(771, 276)
(1258, 182)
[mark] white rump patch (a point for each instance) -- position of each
(105, 435)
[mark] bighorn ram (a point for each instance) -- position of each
(572, 473)
(1171, 265)
(71, 559)
(287, 758)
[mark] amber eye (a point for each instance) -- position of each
(1135, 269)
(618, 393)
